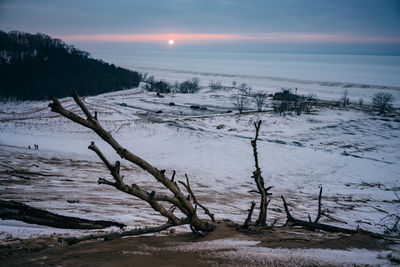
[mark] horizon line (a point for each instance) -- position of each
(217, 37)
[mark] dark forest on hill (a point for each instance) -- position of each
(36, 66)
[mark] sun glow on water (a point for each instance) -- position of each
(171, 42)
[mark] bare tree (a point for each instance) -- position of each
(259, 180)
(240, 102)
(382, 102)
(261, 190)
(216, 85)
(186, 204)
(245, 89)
(189, 86)
(345, 98)
(260, 100)
(143, 77)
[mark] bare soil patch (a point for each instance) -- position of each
(181, 249)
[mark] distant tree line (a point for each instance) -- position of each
(36, 66)
(163, 87)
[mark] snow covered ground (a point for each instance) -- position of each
(352, 154)
(320, 86)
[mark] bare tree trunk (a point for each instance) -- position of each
(259, 180)
(177, 200)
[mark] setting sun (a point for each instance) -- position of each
(171, 42)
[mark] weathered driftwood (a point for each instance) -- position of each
(176, 200)
(11, 210)
(113, 235)
(314, 225)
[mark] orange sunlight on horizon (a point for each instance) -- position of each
(182, 37)
(216, 37)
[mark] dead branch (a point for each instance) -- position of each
(391, 225)
(21, 173)
(178, 199)
(319, 206)
(173, 176)
(11, 210)
(248, 219)
(291, 221)
(113, 235)
(194, 230)
(273, 223)
(189, 190)
(136, 190)
(391, 222)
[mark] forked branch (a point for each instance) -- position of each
(189, 190)
(177, 199)
(136, 190)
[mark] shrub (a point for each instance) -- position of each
(161, 87)
(382, 102)
(285, 95)
(216, 85)
(285, 101)
(240, 102)
(189, 86)
(311, 97)
(260, 100)
(345, 98)
(245, 89)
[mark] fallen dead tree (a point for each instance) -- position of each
(11, 210)
(315, 225)
(176, 200)
(291, 221)
(110, 236)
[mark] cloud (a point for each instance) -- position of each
(42, 9)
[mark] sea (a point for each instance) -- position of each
(326, 75)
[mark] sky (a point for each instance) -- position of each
(311, 26)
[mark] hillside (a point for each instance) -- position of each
(35, 66)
